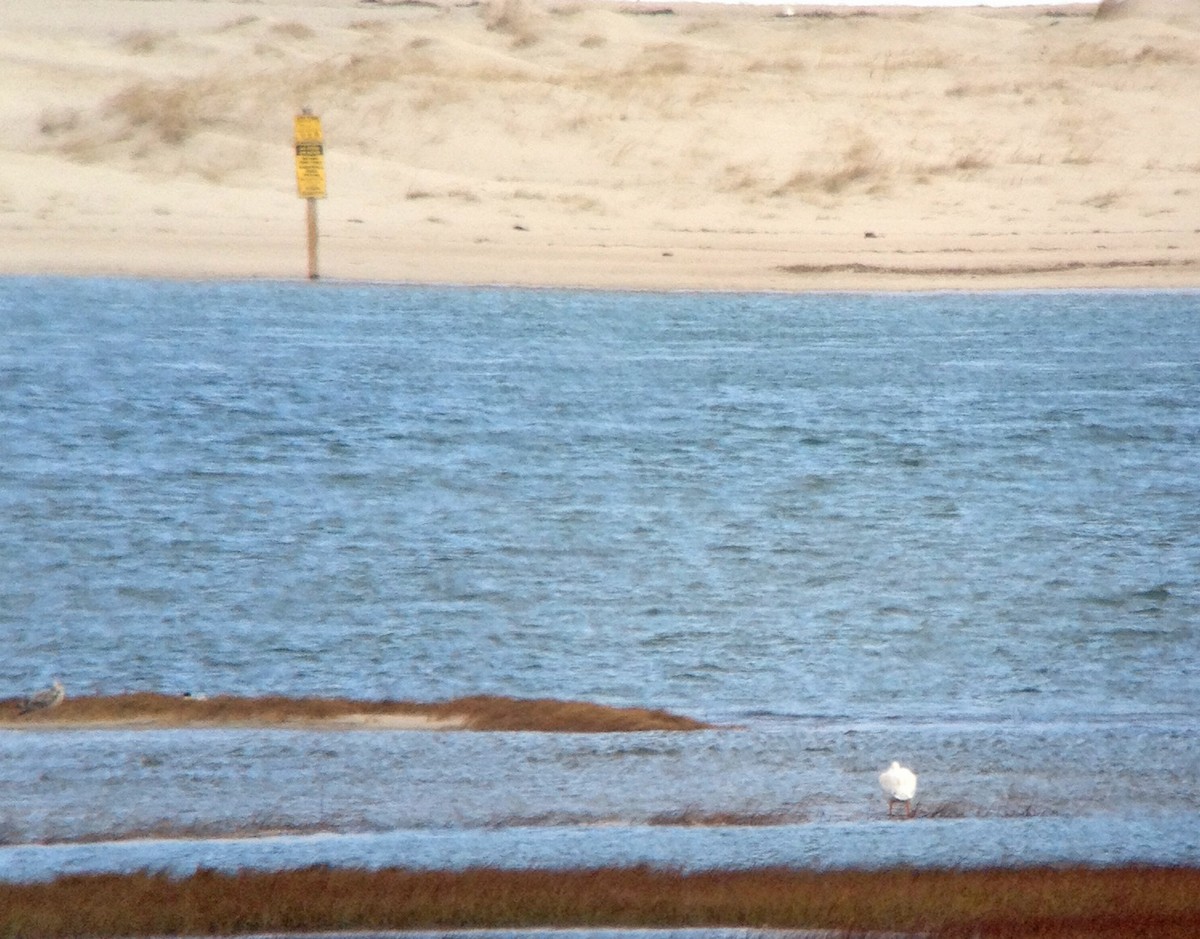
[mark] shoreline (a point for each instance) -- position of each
(713, 262)
(834, 276)
(847, 288)
(590, 145)
(837, 273)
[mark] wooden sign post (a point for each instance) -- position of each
(310, 176)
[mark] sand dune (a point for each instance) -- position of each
(587, 143)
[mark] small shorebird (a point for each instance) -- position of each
(47, 698)
(900, 785)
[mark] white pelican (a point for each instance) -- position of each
(900, 785)
(47, 698)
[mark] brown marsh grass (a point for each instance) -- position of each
(1048, 903)
(479, 712)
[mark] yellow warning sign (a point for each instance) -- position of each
(310, 157)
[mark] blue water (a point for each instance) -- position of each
(958, 530)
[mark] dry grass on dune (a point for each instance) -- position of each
(1147, 903)
(892, 107)
(479, 712)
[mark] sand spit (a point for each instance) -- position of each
(588, 143)
(482, 712)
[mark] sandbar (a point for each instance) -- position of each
(148, 710)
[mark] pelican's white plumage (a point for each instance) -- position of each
(46, 698)
(899, 783)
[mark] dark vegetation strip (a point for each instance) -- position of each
(1049, 903)
(982, 270)
(479, 712)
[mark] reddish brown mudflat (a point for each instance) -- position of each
(1055, 903)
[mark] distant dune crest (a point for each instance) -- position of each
(1113, 9)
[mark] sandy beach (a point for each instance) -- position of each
(628, 145)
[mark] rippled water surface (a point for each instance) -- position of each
(958, 530)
